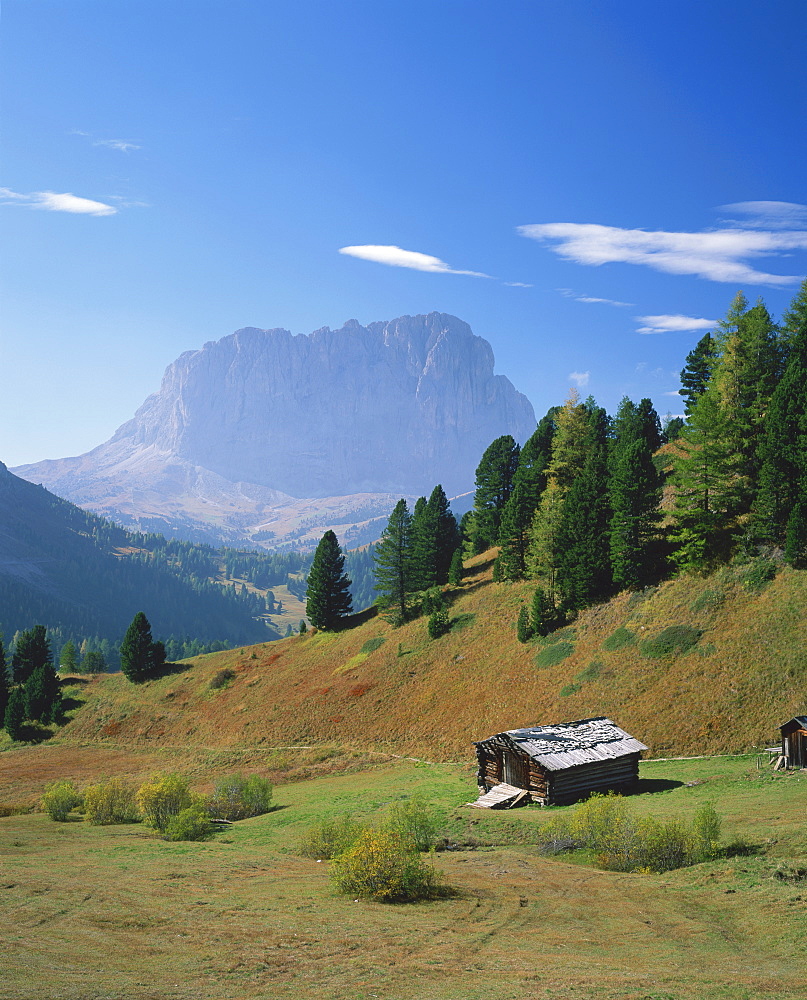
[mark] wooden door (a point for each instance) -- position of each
(515, 769)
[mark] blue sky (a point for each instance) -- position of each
(586, 183)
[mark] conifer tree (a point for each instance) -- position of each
(5, 686)
(328, 597)
(137, 652)
(456, 568)
(393, 561)
(796, 536)
(523, 624)
(544, 616)
(15, 713)
(31, 650)
(68, 658)
(697, 371)
(447, 532)
(494, 484)
(42, 694)
(424, 545)
(794, 318)
(584, 567)
(635, 495)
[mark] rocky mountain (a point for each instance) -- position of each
(244, 429)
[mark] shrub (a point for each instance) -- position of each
(372, 644)
(569, 689)
(622, 637)
(60, 799)
(162, 799)
(330, 837)
(550, 656)
(709, 600)
(438, 624)
(674, 640)
(382, 866)
(190, 823)
(758, 574)
(413, 822)
(590, 673)
(432, 600)
(706, 829)
(237, 797)
(109, 802)
(221, 678)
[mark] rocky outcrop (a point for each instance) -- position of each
(262, 416)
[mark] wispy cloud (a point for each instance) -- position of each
(52, 201)
(580, 379)
(569, 293)
(767, 215)
(396, 257)
(517, 284)
(672, 392)
(122, 145)
(671, 324)
(718, 255)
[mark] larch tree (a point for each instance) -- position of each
(328, 597)
(393, 562)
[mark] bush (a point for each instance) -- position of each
(60, 798)
(162, 799)
(191, 823)
(330, 838)
(622, 637)
(431, 600)
(413, 822)
(438, 624)
(237, 797)
(674, 640)
(221, 678)
(109, 802)
(382, 866)
(709, 600)
(758, 574)
(569, 689)
(706, 828)
(550, 656)
(590, 673)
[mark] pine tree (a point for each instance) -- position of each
(794, 318)
(68, 658)
(393, 561)
(544, 616)
(328, 597)
(456, 569)
(424, 545)
(14, 717)
(514, 531)
(94, 662)
(494, 484)
(42, 693)
(5, 687)
(584, 567)
(523, 625)
(31, 650)
(697, 371)
(796, 536)
(137, 650)
(635, 495)
(447, 532)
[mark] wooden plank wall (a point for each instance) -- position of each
(576, 782)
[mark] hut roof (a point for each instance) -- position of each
(800, 720)
(569, 744)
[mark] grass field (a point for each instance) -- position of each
(115, 913)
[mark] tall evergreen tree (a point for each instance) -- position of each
(447, 536)
(494, 484)
(697, 371)
(393, 561)
(31, 650)
(15, 713)
(68, 658)
(794, 318)
(635, 495)
(328, 597)
(5, 686)
(424, 545)
(584, 568)
(137, 651)
(42, 694)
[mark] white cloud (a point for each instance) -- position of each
(580, 379)
(674, 392)
(768, 214)
(119, 144)
(669, 324)
(396, 257)
(518, 284)
(569, 293)
(719, 255)
(53, 202)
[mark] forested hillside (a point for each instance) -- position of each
(84, 577)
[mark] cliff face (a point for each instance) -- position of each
(390, 408)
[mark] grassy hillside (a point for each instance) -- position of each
(376, 688)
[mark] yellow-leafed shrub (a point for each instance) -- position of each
(382, 866)
(109, 802)
(162, 799)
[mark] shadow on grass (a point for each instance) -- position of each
(169, 669)
(461, 622)
(359, 618)
(647, 786)
(71, 704)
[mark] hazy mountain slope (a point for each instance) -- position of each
(410, 695)
(248, 423)
(65, 568)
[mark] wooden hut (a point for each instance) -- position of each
(560, 763)
(794, 742)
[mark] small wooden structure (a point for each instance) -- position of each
(560, 763)
(794, 743)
